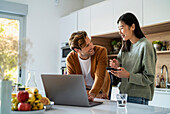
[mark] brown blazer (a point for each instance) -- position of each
(98, 69)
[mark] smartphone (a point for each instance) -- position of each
(109, 68)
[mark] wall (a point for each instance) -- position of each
(91, 2)
(42, 28)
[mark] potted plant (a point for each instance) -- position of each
(157, 44)
(116, 46)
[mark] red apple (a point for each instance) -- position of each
(24, 107)
(22, 96)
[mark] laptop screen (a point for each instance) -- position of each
(66, 90)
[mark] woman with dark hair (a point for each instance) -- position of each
(136, 61)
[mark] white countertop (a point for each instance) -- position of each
(162, 90)
(115, 90)
(108, 107)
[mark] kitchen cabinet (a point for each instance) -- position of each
(102, 18)
(84, 20)
(161, 98)
(68, 25)
(124, 6)
(156, 11)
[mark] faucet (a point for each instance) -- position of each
(167, 83)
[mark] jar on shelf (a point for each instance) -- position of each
(164, 46)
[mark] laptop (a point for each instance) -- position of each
(67, 90)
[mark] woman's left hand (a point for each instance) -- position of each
(122, 73)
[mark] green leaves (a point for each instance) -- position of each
(114, 42)
(9, 35)
(157, 42)
(1, 29)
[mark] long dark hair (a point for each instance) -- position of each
(129, 19)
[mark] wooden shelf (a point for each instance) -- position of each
(163, 52)
(112, 55)
(158, 52)
(156, 28)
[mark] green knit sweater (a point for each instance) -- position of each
(140, 62)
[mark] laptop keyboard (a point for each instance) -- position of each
(95, 103)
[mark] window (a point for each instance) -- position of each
(12, 37)
(9, 43)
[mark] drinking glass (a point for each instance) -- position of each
(121, 100)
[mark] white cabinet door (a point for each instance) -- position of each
(68, 25)
(102, 18)
(124, 6)
(160, 100)
(84, 20)
(156, 11)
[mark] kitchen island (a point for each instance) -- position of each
(161, 98)
(108, 107)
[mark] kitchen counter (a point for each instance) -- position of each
(161, 98)
(108, 107)
(162, 90)
(115, 90)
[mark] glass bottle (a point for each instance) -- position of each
(162, 83)
(157, 82)
(31, 83)
(14, 90)
(163, 46)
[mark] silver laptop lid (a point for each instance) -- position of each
(65, 89)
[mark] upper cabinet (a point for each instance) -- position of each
(102, 18)
(84, 20)
(104, 15)
(124, 6)
(68, 25)
(156, 11)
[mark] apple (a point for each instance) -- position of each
(22, 96)
(24, 107)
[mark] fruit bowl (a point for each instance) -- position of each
(47, 107)
(28, 112)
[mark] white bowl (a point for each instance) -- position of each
(47, 107)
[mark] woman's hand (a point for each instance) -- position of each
(121, 73)
(114, 63)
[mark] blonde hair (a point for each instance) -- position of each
(77, 40)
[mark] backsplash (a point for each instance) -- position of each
(163, 58)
